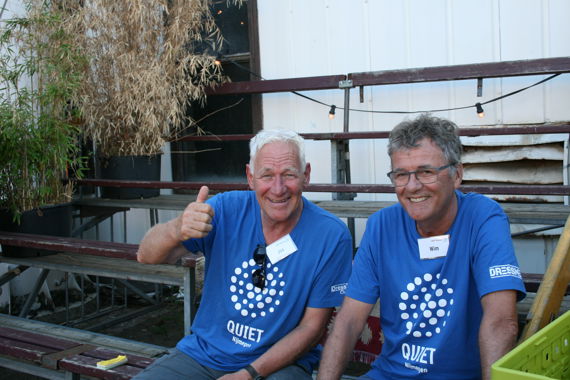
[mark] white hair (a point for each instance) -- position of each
(267, 136)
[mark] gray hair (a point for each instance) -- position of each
(443, 133)
(267, 136)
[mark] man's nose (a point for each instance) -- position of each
(414, 182)
(278, 186)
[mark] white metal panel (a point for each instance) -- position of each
(275, 40)
(320, 37)
(521, 31)
(513, 140)
(346, 30)
(553, 152)
(557, 44)
(541, 172)
(530, 255)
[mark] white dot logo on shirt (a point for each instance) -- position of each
(250, 300)
(425, 305)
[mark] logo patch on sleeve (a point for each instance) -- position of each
(506, 270)
(341, 288)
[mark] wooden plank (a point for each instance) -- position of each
(123, 251)
(87, 366)
(68, 244)
(103, 266)
(83, 336)
(23, 350)
(105, 354)
(19, 344)
(459, 72)
(24, 366)
(327, 188)
(523, 213)
(553, 287)
(46, 341)
(412, 75)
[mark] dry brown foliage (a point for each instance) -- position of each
(144, 68)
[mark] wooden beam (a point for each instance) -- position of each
(552, 288)
(325, 187)
(413, 75)
(462, 72)
(563, 127)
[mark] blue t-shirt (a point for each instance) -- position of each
(430, 309)
(236, 321)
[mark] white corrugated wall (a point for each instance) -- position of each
(325, 37)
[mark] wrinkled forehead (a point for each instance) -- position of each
(425, 153)
(278, 155)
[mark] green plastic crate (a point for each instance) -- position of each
(545, 355)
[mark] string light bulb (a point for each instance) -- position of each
(331, 112)
(479, 109)
(218, 60)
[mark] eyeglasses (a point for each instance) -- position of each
(425, 175)
(258, 276)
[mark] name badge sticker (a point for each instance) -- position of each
(433, 247)
(280, 249)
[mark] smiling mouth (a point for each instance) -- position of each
(418, 199)
(279, 200)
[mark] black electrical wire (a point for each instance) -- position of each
(404, 112)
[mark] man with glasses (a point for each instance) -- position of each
(276, 266)
(442, 264)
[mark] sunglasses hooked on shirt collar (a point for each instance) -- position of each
(258, 276)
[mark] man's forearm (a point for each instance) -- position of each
(159, 244)
(295, 344)
(347, 327)
(336, 355)
(495, 340)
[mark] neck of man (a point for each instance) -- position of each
(441, 225)
(273, 231)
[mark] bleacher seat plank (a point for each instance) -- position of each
(68, 244)
(83, 336)
(49, 350)
(86, 364)
(520, 213)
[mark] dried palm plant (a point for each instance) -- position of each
(147, 64)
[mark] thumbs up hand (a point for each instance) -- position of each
(196, 220)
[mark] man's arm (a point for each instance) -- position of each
(499, 328)
(347, 327)
(300, 340)
(163, 242)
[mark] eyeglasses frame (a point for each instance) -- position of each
(409, 174)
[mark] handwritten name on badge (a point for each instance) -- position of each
(280, 249)
(433, 247)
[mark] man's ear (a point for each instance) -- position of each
(249, 176)
(458, 175)
(307, 174)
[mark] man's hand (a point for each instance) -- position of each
(196, 220)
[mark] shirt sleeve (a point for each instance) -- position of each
(330, 284)
(364, 281)
(494, 263)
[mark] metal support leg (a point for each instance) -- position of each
(137, 291)
(34, 294)
(189, 298)
(12, 273)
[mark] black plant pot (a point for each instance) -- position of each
(139, 168)
(55, 220)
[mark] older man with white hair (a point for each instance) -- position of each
(276, 266)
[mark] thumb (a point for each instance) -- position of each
(203, 194)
